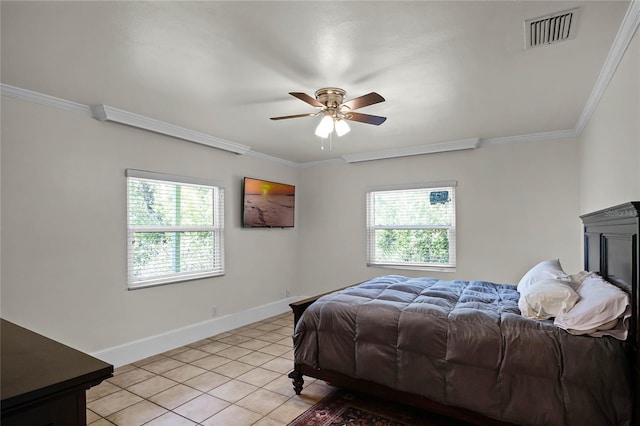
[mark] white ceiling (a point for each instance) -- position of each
(449, 70)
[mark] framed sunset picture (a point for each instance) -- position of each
(267, 204)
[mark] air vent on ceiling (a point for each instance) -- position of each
(550, 29)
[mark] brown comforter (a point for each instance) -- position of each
(465, 344)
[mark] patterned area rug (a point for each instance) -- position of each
(343, 407)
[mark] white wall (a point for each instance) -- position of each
(610, 143)
(64, 221)
(64, 230)
(63, 215)
(516, 205)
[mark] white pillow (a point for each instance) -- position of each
(547, 299)
(579, 277)
(601, 304)
(548, 269)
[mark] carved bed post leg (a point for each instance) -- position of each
(297, 380)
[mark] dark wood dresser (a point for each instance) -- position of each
(43, 382)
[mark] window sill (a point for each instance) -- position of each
(172, 280)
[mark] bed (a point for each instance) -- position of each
(462, 348)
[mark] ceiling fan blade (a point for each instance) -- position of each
(284, 117)
(363, 101)
(365, 118)
(306, 98)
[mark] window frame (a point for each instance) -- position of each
(371, 228)
(217, 228)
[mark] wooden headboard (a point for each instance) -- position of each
(611, 248)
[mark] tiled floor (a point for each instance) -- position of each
(235, 378)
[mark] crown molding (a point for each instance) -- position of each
(261, 156)
(627, 30)
(322, 163)
(532, 137)
(42, 99)
(107, 113)
(413, 150)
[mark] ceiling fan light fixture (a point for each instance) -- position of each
(342, 128)
(325, 127)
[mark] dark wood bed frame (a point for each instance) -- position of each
(611, 248)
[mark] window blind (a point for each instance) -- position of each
(175, 229)
(412, 227)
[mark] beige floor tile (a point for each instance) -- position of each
(289, 411)
(101, 422)
(233, 391)
(207, 381)
(251, 332)
(91, 416)
(285, 322)
(275, 349)
(201, 408)
(149, 360)
(234, 352)
(137, 414)
(256, 358)
(175, 396)
(214, 347)
(220, 336)
(233, 339)
(103, 389)
(199, 343)
(281, 365)
(314, 392)
(272, 337)
(161, 366)
(232, 416)
(130, 377)
(210, 362)
(266, 421)
(268, 327)
(262, 401)
(152, 386)
(190, 355)
(175, 351)
(184, 373)
(281, 385)
(117, 401)
(288, 355)
(254, 344)
(258, 376)
(170, 419)
(123, 369)
(287, 341)
(286, 330)
(229, 379)
(233, 369)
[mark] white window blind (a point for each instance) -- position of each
(175, 228)
(412, 227)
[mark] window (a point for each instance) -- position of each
(412, 227)
(175, 228)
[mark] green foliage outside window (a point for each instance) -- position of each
(413, 246)
(157, 205)
(410, 228)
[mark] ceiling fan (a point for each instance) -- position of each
(335, 111)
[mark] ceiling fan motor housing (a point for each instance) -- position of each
(330, 100)
(331, 97)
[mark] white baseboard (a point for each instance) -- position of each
(149, 346)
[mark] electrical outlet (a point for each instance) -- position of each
(214, 311)
(287, 293)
